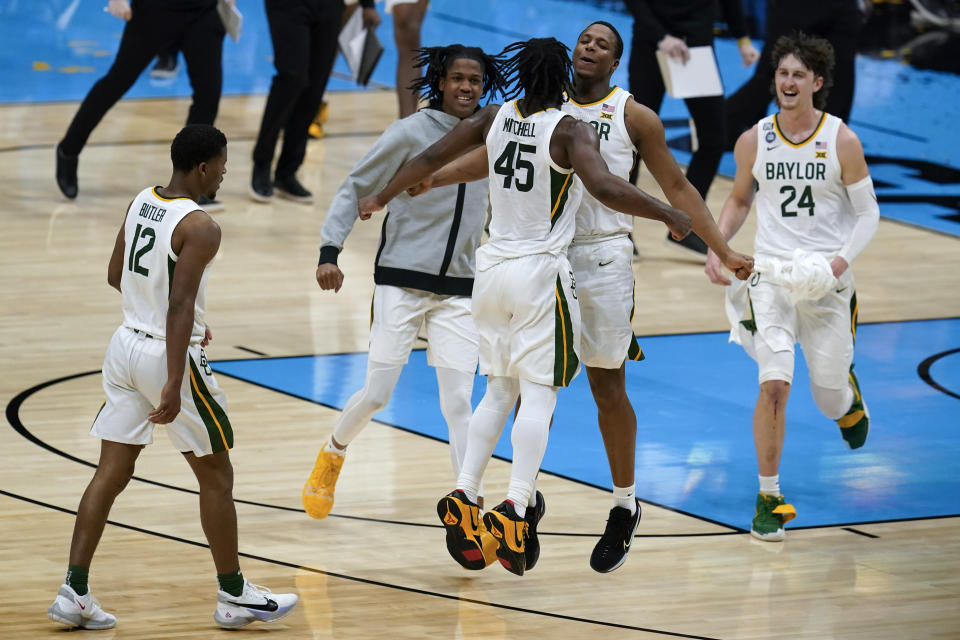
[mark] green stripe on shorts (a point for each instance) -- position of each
(213, 416)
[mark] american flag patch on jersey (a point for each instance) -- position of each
(608, 108)
(820, 146)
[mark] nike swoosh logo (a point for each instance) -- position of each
(841, 290)
(269, 605)
(771, 148)
(603, 264)
(80, 604)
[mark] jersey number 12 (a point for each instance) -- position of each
(133, 262)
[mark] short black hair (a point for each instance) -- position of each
(194, 144)
(540, 67)
(437, 60)
(618, 50)
(814, 53)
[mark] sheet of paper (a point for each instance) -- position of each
(232, 19)
(698, 78)
(360, 48)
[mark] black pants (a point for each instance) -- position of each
(646, 85)
(839, 22)
(304, 34)
(152, 27)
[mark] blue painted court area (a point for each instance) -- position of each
(694, 396)
(54, 50)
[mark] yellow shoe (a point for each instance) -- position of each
(316, 127)
(318, 491)
(461, 519)
(488, 544)
(323, 113)
(315, 131)
(510, 531)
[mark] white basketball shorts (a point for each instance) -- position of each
(529, 321)
(825, 329)
(398, 314)
(134, 372)
(604, 274)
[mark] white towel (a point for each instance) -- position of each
(807, 275)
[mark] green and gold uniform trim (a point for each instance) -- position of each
(634, 352)
(559, 191)
(590, 104)
(214, 417)
(797, 145)
(171, 266)
(854, 316)
(565, 360)
(160, 197)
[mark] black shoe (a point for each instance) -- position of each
(510, 530)
(165, 67)
(533, 517)
(460, 518)
(614, 545)
(209, 205)
(261, 189)
(291, 189)
(693, 246)
(67, 173)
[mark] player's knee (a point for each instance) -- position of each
(775, 392)
(833, 403)
(375, 400)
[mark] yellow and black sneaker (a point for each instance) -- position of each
(316, 127)
(461, 519)
(510, 530)
(532, 518)
(488, 544)
(855, 424)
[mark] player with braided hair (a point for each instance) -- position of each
(524, 297)
(424, 269)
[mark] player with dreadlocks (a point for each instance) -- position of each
(425, 266)
(524, 298)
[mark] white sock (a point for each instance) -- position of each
(332, 448)
(625, 497)
(770, 485)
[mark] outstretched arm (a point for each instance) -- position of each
(737, 205)
(469, 167)
(465, 136)
(576, 143)
(646, 131)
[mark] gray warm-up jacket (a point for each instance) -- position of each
(427, 242)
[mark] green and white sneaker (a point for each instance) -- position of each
(772, 513)
(855, 424)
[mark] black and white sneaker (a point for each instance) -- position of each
(67, 173)
(691, 247)
(291, 189)
(261, 189)
(533, 517)
(256, 603)
(166, 66)
(614, 545)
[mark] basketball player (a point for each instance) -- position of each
(524, 298)
(424, 270)
(601, 255)
(156, 372)
(814, 193)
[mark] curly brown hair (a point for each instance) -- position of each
(816, 54)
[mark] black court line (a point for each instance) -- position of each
(249, 350)
(923, 370)
(13, 418)
(367, 581)
(860, 533)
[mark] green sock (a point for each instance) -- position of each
(77, 579)
(232, 583)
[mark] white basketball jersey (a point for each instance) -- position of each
(149, 263)
(594, 219)
(801, 201)
(533, 200)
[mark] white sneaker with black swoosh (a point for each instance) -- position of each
(254, 604)
(611, 550)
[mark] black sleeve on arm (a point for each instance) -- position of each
(733, 16)
(328, 254)
(644, 21)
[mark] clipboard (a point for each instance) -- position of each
(360, 48)
(698, 78)
(232, 19)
